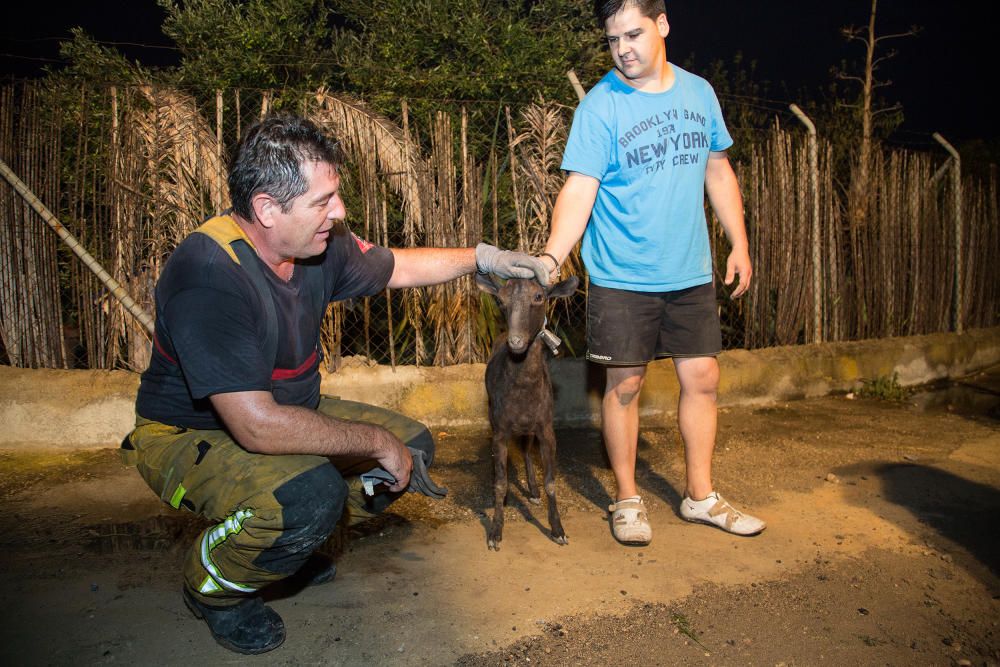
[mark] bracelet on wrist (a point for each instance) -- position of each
(553, 258)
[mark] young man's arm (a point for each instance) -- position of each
(571, 214)
(724, 196)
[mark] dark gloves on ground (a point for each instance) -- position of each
(420, 481)
(511, 264)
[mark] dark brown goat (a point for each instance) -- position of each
(520, 391)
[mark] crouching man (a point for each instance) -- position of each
(230, 423)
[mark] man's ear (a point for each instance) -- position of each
(662, 25)
(264, 208)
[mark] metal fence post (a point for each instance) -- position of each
(956, 180)
(816, 238)
(575, 82)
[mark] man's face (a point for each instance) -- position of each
(305, 229)
(636, 43)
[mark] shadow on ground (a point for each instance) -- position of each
(960, 510)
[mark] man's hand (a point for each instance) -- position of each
(511, 264)
(739, 262)
(394, 457)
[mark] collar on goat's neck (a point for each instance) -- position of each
(549, 338)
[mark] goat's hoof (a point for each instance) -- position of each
(536, 500)
(494, 545)
(560, 539)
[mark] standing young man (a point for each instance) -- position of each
(646, 144)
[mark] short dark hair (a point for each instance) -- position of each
(269, 159)
(605, 9)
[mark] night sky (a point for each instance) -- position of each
(940, 76)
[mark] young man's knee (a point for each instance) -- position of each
(698, 375)
(625, 387)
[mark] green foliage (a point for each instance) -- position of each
(254, 44)
(94, 63)
(432, 50)
(884, 388)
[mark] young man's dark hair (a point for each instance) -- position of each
(605, 9)
(269, 159)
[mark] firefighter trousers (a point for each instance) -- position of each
(269, 512)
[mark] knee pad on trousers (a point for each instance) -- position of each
(311, 505)
(423, 441)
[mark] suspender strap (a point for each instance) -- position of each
(249, 264)
(224, 231)
(313, 282)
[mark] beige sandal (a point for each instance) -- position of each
(629, 523)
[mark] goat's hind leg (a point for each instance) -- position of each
(529, 470)
(499, 490)
(547, 449)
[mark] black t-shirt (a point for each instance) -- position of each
(210, 327)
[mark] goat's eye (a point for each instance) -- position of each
(538, 298)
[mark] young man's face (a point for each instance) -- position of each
(636, 43)
(305, 229)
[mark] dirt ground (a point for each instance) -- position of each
(883, 547)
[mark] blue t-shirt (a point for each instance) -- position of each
(647, 231)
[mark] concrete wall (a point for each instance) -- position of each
(74, 409)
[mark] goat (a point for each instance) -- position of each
(520, 393)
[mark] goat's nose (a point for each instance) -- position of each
(516, 341)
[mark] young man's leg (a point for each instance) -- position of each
(622, 330)
(620, 424)
(697, 420)
(691, 335)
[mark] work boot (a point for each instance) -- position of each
(317, 570)
(248, 627)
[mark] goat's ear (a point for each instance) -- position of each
(484, 281)
(564, 288)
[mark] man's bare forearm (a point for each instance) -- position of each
(571, 214)
(290, 429)
(724, 195)
(261, 425)
(417, 267)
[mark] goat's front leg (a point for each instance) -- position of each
(499, 489)
(529, 470)
(547, 450)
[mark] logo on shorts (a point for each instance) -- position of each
(602, 357)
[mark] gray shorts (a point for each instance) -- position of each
(626, 328)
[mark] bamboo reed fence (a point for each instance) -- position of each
(130, 170)
(31, 324)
